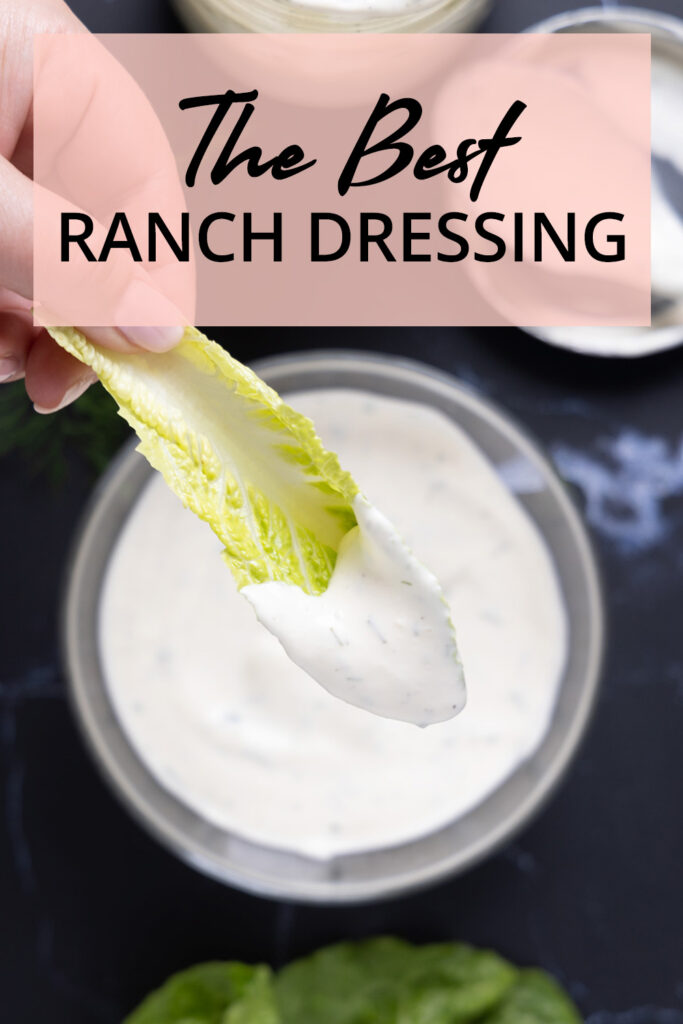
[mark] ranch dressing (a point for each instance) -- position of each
(228, 724)
(380, 636)
(367, 7)
(324, 16)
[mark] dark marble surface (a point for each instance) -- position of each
(93, 913)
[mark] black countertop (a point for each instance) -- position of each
(94, 913)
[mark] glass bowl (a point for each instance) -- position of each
(385, 872)
(666, 330)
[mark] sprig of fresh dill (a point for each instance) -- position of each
(88, 430)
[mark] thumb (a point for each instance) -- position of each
(16, 230)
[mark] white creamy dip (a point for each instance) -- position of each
(380, 637)
(367, 7)
(269, 16)
(226, 722)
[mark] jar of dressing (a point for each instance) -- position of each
(332, 16)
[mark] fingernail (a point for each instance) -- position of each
(144, 304)
(10, 368)
(156, 339)
(69, 396)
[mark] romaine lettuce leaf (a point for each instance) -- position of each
(378, 981)
(257, 1004)
(451, 983)
(235, 453)
(536, 998)
(212, 993)
(387, 981)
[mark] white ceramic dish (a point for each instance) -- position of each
(667, 45)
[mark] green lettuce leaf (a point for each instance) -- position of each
(387, 981)
(257, 1005)
(451, 983)
(379, 981)
(536, 998)
(213, 993)
(235, 453)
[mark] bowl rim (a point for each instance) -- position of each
(645, 341)
(327, 891)
(669, 23)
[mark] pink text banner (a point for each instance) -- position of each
(342, 180)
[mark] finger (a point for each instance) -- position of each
(133, 339)
(12, 302)
(16, 230)
(20, 23)
(81, 90)
(115, 292)
(22, 155)
(54, 378)
(16, 338)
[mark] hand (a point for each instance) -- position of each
(53, 378)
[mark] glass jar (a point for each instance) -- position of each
(334, 16)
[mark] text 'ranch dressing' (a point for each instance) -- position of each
(226, 722)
